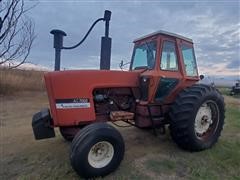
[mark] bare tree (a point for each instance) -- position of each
(16, 33)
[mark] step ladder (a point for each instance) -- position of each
(154, 118)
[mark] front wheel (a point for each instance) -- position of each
(97, 150)
(197, 117)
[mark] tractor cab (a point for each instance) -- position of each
(167, 62)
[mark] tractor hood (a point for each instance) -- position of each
(70, 92)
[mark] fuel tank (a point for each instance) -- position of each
(70, 92)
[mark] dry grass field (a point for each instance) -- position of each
(146, 156)
(16, 80)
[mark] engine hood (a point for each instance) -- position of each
(79, 84)
(71, 83)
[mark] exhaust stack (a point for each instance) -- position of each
(106, 43)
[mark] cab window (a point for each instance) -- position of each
(189, 60)
(144, 56)
(169, 57)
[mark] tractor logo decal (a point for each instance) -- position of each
(72, 103)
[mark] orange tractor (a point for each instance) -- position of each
(160, 89)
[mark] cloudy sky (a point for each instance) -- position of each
(213, 25)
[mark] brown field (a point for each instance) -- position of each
(146, 156)
(16, 80)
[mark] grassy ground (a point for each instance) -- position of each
(146, 157)
(226, 91)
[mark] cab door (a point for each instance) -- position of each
(169, 70)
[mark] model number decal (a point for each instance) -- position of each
(72, 103)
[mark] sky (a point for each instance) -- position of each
(213, 25)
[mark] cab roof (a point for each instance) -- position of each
(164, 33)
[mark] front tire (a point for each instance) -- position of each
(97, 150)
(197, 117)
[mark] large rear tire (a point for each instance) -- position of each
(197, 117)
(97, 150)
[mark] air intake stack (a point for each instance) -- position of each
(106, 43)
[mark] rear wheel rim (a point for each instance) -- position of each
(206, 120)
(100, 154)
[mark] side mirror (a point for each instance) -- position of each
(201, 77)
(121, 64)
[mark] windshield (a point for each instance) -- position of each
(144, 56)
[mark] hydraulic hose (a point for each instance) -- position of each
(90, 29)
